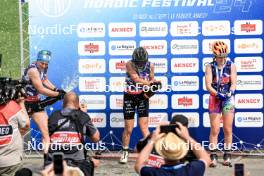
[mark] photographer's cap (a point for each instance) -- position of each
(44, 56)
(171, 147)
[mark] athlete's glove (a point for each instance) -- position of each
(230, 93)
(152, 89)
(59, 90)
(221, 96)
(61, 94)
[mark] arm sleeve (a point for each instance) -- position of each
(89, 129)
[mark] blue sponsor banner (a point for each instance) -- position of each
(91, 40)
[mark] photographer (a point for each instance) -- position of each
(176, 118)
(67, 129)
(173, 148)
(13, 117)
(36, 75)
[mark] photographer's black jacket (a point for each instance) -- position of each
(69, 134)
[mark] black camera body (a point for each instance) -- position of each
(11, 89)
(169, 128)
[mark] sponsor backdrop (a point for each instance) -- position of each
(91, 41)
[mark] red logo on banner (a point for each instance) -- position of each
(249, 100)
(249, 64)
(91, 84)
(91, 48)
(125, 29)
(154, 120)
(97, 119)
(185, 101)
(154, 47)
(184, 29)
(184, 65)
(121, 65)
(119, 102)
(248, 27)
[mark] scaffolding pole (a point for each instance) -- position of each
(21, 38)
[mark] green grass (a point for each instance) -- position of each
(10, 39)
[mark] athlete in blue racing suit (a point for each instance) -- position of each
(220, 77)
(140, 73)
(36, 74)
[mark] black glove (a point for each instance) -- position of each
(58, 90)
(153, 89)
(61, 94)
(156, 85)
(62, 91)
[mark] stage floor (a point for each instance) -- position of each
(109, 166)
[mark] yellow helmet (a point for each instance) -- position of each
(220, 49)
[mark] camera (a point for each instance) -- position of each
(169, 128)
(11, 89)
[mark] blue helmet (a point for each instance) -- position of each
(44, 56)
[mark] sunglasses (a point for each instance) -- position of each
(44, 63)
(140, 62)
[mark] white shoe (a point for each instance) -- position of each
(227, 159)
(124, 157)
(213, 160)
